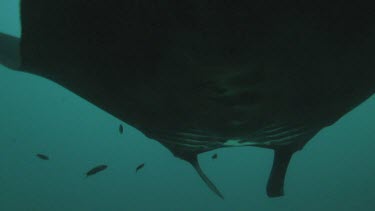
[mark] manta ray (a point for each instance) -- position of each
(201, 75)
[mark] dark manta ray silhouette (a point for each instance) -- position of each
(201, 75)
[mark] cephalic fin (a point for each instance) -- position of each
(194, 162)
(275, 186)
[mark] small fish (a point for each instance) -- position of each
(43, 157)
(121, 129)
(96, 170)
(139, 167)
(214, 156)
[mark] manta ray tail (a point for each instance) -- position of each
(9, 51)
(194, 162)
(275, 186)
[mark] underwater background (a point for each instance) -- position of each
(335, 170)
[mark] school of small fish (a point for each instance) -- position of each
(102, 167)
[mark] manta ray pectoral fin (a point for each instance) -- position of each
(10, 51)
(275, 186)
(194, 162)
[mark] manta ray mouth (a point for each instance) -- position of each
(267, 137)
(188, 144)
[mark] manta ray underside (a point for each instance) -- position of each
(198, 76)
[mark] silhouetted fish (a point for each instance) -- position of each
(139, 167)
(197, 76)
(214, 156)
(96, 170)
(121, 129)
(43, 157)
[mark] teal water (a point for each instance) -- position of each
(335, 171)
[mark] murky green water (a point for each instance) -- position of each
(335, 171)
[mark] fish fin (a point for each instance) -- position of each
(10, 51)
(275, 186)
(194, 162)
